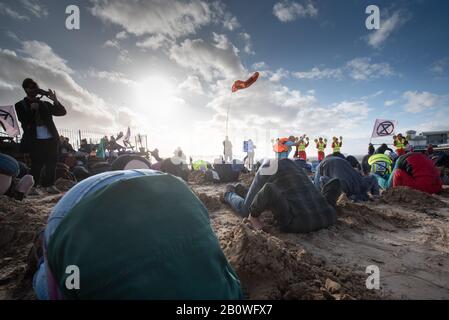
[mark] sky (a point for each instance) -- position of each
(165, 68)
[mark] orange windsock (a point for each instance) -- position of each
(239, 84)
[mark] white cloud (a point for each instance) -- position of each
(388, 25)
(420, 101)
(44, 54)
(112, 44)
(154, 42)
(7, 86)
(123, 55)
(287, 11)
(169, 17)
(32, 6)
(372, 96)
(13, 36)
(439, 122)
(439, 66)
(7, 11)
(390, 103)
(84, 108)
(207, 60)
(316, 73)
(121, 35)
(35, 8)
(269, 107)
(221, 41)
(192, 84)
(261, 65)
(248, 48)
(357, 69)
(111, 76)
(230, 22)
(363, 69)
(278, 75)
(272, 107)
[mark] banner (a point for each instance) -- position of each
(8, 121)
(384, 128)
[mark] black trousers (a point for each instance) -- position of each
(44, 153)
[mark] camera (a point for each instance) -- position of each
(43, 93)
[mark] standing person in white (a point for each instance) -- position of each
(250, 153)
(227, 149)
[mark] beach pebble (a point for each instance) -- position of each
(332, 286)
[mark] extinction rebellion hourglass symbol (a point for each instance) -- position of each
(5, 115)
(385, 128)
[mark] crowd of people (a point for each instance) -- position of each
(297, 202)
(283, 146)
(136, 231)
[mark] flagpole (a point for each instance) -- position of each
(227, 113)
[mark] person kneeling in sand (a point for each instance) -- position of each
(353, 184)
(134, 234)
(10, 185)
(415, 170)
(296, 205)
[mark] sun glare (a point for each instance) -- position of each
(155, 94)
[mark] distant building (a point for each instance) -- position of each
(421, 141)
(437, 137)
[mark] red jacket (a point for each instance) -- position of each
(418, 172)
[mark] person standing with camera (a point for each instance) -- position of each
(40, 136)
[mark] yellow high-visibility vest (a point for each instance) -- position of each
(400, 144)
(320, 146)
(336, 147)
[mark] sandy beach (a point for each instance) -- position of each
(405, 233)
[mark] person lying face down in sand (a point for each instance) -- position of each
(296, 205)
(10, 185)
(136, 234)
(415, 170)
(352, 182)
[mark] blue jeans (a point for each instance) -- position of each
(317, 178)
(240, 205)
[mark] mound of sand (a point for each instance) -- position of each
(270, 269)
(412, 198)
(211, 202)
(19, 221)
(361, 217)
(199, 177)
(64, 184)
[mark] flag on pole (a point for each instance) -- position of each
(384, 128)
(239, 84)
(8, 121)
